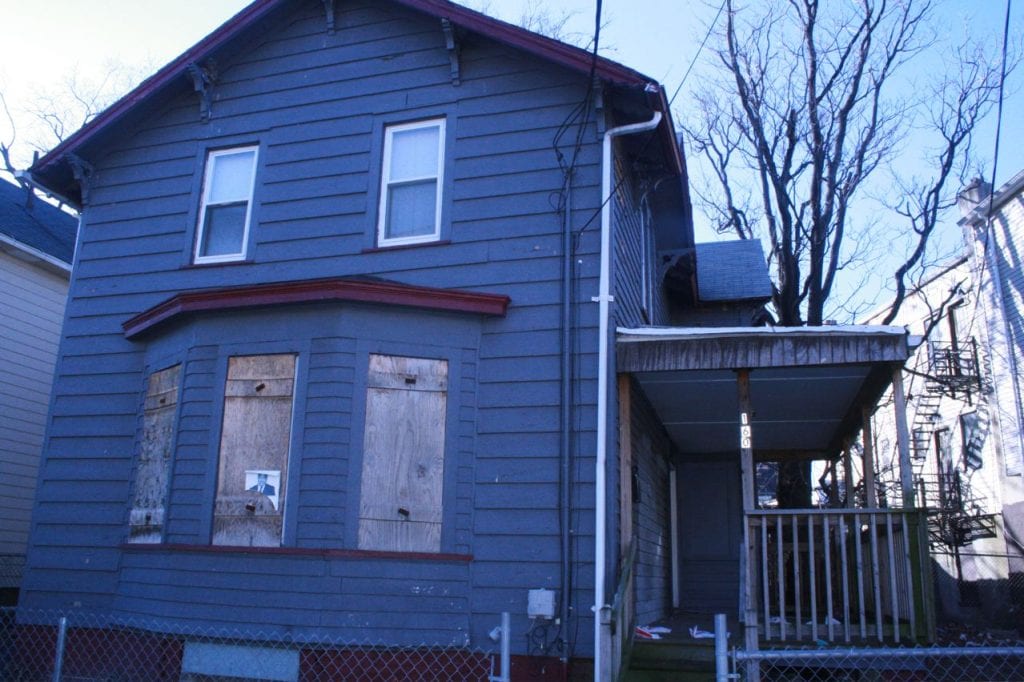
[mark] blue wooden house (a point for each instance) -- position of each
(370, 337)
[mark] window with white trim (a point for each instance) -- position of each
(412, 175)
(226, 207)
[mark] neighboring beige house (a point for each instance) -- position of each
(36, 250)
(964, 395)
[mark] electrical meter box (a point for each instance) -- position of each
(541, 604)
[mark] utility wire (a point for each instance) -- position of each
(650, 135)
(999, 109)
(995, 165)
(567, 639)
(711, 28)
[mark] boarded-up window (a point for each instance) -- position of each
(403, 454)
(253, 470)
(149, 501)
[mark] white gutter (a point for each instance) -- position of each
(35, 253)
(26, 176)
(602, 610)
(671, 333)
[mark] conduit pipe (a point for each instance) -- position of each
(603, 299)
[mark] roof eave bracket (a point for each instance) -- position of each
(202, 81)
(82, 171)
(329, 12)
(451, 41)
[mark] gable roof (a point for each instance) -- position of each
(42, 227)
(732, 271)
(568, 56)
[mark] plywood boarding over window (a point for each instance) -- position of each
(149, 501)
(255, 436)
(403, 454)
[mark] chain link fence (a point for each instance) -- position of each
(82, 647)
(919, 664)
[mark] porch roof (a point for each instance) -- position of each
(808, 385)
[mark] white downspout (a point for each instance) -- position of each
(601, 609)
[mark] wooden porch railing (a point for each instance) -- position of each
(623, 613)
(839, 575)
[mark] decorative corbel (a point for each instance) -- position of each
(202, 81)
(329, 11)
(451, 41)
(82, 171)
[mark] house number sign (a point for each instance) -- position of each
(744, 430)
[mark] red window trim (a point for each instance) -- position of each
(361, 554)
(316, 291)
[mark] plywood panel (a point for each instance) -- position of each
(403, 454)
(149, 501)
(255, 437)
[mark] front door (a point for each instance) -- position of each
(709, 534)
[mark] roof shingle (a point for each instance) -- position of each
(42, 227)
(732, 271)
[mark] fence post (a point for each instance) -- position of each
(721, 648)
(58, 662)
(506, 646)
(506, 649)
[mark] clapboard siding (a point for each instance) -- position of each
(31, 311)
(1005, 327)
(652, 451)
(628, 246)
(324, 596)
(316, 105)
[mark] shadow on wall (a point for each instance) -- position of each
(980, 603)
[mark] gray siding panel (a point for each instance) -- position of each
(31, 310)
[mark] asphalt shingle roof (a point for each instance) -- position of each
(43, 227)
(732, 271)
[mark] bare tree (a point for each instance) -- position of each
(56, 111)
(813, 104)
(544, 19)
(7, 144)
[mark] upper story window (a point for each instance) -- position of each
(411, 181)
(227, 205)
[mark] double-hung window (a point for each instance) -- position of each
(411, 183)
(226, 207)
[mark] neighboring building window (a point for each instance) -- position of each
(400, 504)
(411, 183)
(149, 501)
(252, 473)
(973, 429)
(227, 205)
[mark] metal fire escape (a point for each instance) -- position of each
(956, 516)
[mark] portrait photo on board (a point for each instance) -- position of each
(265, 482)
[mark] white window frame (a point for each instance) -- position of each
(647, 260)
(386, 183)
(211, 158)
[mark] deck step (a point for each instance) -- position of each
(668, 676)
(660, 661)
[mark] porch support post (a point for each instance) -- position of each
(870, 497)
(749, 607)
(625, 468)
(673, 524)
(834, 481)
(903, 437)
(746, 441)
(848, 474)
